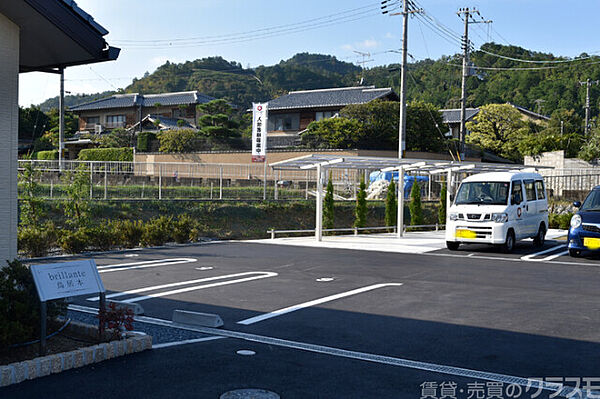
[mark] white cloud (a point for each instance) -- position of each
(389, 35)
(363, 45)
(369, 43)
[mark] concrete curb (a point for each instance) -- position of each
(15, 373)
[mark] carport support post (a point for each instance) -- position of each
(400, 212)
(448, 192)
(319, 216)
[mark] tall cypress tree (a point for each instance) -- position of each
(416, 210)
(442, 205)
(328, 219)
(391, 205)
(361, 205)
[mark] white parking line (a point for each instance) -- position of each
(178, 284)
(260, 275)
(144, 264)
(185, 342)
(533, 255)
(289, 309)
(556, 255)
(559, 389)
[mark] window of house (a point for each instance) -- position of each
(324, 115)
(282, 122)
(115, 119)
(93, 120)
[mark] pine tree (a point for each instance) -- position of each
(442, 205)
(416, 210)
(391, 206)
(361, 205)
(328, 219)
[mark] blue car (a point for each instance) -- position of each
(584, 234)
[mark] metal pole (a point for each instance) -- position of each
(43, 317)
(429, 195)
(105, 182)
(221, 183)
(402, 122)
(159, 181)
(319, 206)
(306, 188)
(276, 195)
(91, 180)
(265, 181)
(211, 190)
(61, 119)
(463, 99)
(101, 308)
(448, 193)
(400, 216)
(51, 187)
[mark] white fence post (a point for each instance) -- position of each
(276, 194)
(91, 180)
(159, 181)
(221, 183)
(105, 182)
(265, 181)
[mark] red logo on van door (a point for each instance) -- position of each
(518, 212)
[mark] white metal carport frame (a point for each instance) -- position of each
(432, 167)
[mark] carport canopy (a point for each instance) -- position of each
(322, 162)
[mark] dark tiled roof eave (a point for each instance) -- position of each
(324, 98)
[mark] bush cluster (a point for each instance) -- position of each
(106, 154)
(50, 155)
(38, 241)
(560, 220)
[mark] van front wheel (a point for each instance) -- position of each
(509, 244)
(452, 245)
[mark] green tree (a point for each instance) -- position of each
(498, 128)
(333, 133)
(328, 206)
(391, 205)
(360, 213)
(562, 132)
(32, 122)
(219, 125)
(77, 207)
(180, 140)
(416, 209)
(442, 205)
(590, 151)
(117, 138)
(32, 206)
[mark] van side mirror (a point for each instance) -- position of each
(577, 204)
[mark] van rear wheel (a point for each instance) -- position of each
(509, 244)
(539, 239)
(452, 245)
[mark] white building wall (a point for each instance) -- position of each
(9, 118)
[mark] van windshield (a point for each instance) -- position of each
(592, 202)
(487, 193)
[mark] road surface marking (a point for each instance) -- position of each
(530, 256)
(289, 309)
(178, 284)
(185, 342)
(144, 264)
(260, 275)
(556, 255)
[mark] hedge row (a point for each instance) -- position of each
(106, 154)
(47, 155)
(37, 241)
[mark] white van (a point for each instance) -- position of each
(498, 208)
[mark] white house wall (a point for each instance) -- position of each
(9, 118)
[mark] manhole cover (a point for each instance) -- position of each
(245, 352)
(249, 394)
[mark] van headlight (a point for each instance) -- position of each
(453, 216)
(500, 217)
(575, 221)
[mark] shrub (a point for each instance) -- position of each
(117, 318)
(391, 205)
(416, 209)
(328, 206)
(360, 212)
(560, 221)
(36, 241)
(73, 241)
(106, 154)
(20, 305)
(145, 141)
(183, 229)
(100, 237)
(157, 231)
(442, 205)
(128, 233)
(47, 155)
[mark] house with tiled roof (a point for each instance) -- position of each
(290, 114)
(127, 110)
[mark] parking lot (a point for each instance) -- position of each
(328, 322)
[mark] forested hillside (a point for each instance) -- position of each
(496, 79)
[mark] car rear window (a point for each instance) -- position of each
(530, 190)
(539, 187)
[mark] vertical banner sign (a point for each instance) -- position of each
(259, 131)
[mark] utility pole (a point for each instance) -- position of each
(467, 14)
(61, 119)
(402, 125)
(362, 64)
(588, 83)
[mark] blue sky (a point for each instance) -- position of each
(562, 28)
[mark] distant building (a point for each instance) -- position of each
(451, 117)
(127, 110)
(289, 115)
